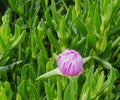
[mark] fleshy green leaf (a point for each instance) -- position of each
(67, 93)
(81, 26)
(48, 92)
(48, 19)
(22, 90)
(33, 91)
(18, 40)
(49, 74)
(7, 67)
(53, 41)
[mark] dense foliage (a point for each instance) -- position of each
(34, 32)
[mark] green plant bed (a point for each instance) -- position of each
(34, 32)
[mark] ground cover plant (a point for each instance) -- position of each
(34, 32)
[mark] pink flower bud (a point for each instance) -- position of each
(70, 63)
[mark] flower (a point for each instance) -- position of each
(70, 63)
